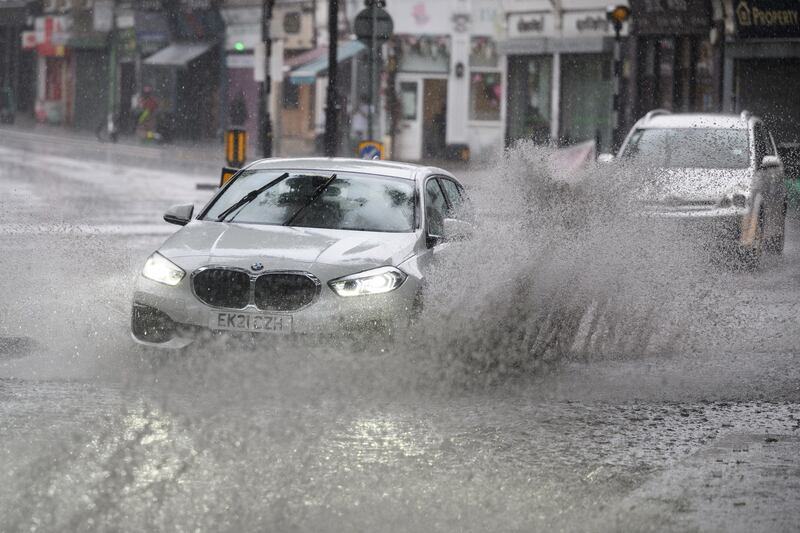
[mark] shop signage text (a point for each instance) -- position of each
(531, 25)
(765, 19)
(592, 24)
(670, 17)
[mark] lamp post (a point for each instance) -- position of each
(265, 120)
(617, 15)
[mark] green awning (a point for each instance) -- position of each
(308, 72)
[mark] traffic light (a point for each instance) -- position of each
(616, 15)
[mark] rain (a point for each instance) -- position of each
(603, 333)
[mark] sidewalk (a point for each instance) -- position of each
(204, 154)
(207, 151)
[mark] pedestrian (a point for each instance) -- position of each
(147, 123)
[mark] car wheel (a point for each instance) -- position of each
(776, 243)
(750, 257)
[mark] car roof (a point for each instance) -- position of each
(695, 120)
(393, 169)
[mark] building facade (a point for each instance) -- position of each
(446, 78)
(762, 63)
(560, 59)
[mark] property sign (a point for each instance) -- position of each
(767, 19)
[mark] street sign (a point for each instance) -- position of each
(383, 24)
(236, 147)
(226, 175)
(370, 150)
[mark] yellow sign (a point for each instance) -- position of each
(227, 174)
(236, 147)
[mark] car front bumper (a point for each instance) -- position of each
(722, 225)
(173, 318)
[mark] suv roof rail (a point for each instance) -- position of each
(745, 114)
(655, 112)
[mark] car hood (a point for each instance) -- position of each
(694, 185)
(279, 247)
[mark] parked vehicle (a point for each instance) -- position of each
(300, 246)
(721, 171)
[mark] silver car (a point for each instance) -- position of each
(299, 246)
(721, 171)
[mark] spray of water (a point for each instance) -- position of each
(238, 437)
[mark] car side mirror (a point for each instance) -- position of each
(770, 161)
(605, 158)
(179, 214)
(457, 230)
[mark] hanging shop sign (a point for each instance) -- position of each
(670, 17)
(767, 19)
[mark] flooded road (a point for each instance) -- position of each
(698, 430)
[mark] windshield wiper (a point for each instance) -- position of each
(252, 195)
(314, 197)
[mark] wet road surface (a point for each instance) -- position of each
(703, 437)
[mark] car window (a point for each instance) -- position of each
(453, 195)
(350, 202)
(771, 144)
(435, 207)
(690, 147)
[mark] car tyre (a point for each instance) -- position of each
(750, 257)
(776, 243)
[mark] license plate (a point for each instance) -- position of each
(252, 322)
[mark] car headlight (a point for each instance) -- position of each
(376, 281)
(159, 268)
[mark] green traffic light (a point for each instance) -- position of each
(238, 46)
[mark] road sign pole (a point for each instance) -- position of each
(372, 97)
(331, 116)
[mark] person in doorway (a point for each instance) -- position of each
(147, 123)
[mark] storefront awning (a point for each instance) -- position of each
(308, 72)
(178, 54)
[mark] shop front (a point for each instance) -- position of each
(447, 92)
(675, 60)
(762, 68)
(54, 80)
(186, 76)
(559, 76)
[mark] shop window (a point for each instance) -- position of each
(483, 53)
(408, 100)
(424, 53)
(586, 96)
(484, 96)
(291, 95)
(529, 87)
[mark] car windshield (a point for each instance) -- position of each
(690, 147)
(350, 202)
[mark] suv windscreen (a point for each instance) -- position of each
(350, 202)
(690, 147)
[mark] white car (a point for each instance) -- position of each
(719, 171)
(299, 246)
